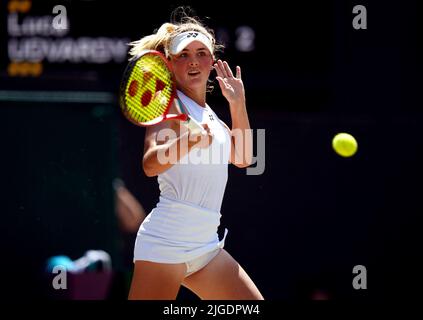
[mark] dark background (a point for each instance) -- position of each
(299, 227)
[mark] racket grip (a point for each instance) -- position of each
(194, 126)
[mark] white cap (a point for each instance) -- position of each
(183, 39)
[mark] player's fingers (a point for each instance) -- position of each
(220, 79)
(209, 134)
(206, 127)
(228, 70)
(202, 138)
(218, 69)
(197, 133)
(238, 72)
(222, 83)
(222, 69)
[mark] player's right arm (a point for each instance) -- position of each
(166, 143)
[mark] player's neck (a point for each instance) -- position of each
(197, 96)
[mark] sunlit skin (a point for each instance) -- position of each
(192, 68)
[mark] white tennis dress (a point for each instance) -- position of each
(183, 225)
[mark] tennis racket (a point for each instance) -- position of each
(148, 90)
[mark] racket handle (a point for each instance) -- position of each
(182, 117)
(194, 127)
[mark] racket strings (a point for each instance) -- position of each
(149, 89)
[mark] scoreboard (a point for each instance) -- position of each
(84, 43)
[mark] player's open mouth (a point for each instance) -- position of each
(193, 73)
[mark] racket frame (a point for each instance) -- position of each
(187, 120)
(124, 84)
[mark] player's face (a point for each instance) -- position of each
(192, 66)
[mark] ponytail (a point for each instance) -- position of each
(157, 41)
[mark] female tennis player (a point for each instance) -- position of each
(177, 243)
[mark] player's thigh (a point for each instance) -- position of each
(223, 278)
(153, 281)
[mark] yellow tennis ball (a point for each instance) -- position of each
(344, 144)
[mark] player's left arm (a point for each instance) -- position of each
(241, 136)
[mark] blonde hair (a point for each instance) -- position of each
(161, 39)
